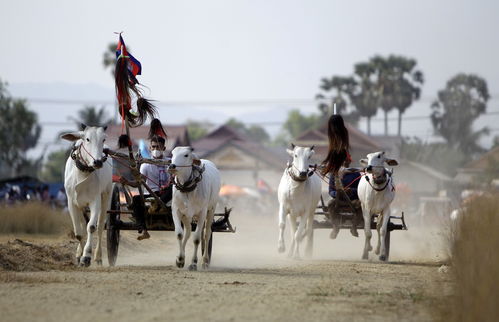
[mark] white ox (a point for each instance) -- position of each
(88, 183)
(298, 193)
(376, 192)
(195, 197)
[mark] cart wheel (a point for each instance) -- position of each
(210, 245)
(113, 231)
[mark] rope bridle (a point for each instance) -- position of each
(296, 178)
(193, 180)
(388, 177)
(80, 163)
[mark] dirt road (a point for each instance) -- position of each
(247, 281)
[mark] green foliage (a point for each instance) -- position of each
(19, 132)
(439, 156)
(342, 89)
(198, 129)
(53, 169)
(92, 116)
(109, 57)
(298, 123)
(386, 83)
(462, 101)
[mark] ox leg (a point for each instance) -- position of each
(299, 235)
(187, 233)
(78, 228)
(106, 204)
(378, 227)
(309, 231)
(292, 226)
(179, 232)
(197, 239)
(282, 226)
(95, 209)
(368, 233)
(207, 236)
(382, 233)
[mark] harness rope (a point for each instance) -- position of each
(192, 182)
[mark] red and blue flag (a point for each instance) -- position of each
(134, 66)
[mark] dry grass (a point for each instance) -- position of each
(13, 277)
(475, 263)
(33, 218)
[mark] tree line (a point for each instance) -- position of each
(380, 83)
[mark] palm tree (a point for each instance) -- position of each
(343, 88)
(365, 96)
(109, 57)
(462, 101)
(91, 116)
(405, 86)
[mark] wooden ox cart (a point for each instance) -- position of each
(347, 214)
(158, 215)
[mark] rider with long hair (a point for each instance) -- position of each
(338, 145)
(338, 156)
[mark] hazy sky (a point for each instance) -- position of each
(219, 51)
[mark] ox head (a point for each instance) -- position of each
(301, 159)
(91, 144)
(183, 157)
(375, 164)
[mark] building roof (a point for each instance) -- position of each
(360, 143)
(225, 136)
(482, 162)
(177, 135)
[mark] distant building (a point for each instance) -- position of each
(241, 160)
(415, 179)
(360, 143)
(475, 170)
(177, 135)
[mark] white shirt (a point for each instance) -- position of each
(157, 176)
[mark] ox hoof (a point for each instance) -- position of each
(281, 248)
(354, 232)
(205, 265)
(382, 258)
(193, 267)
(365, 256)
(334, 233)
(85, 261)
(99, 262)
(78, 260)
(180, 262)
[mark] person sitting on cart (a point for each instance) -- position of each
(156, 177)
(338, 154)
(350, 182)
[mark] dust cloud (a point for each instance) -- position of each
(254, 245)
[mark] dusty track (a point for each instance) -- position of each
(247, 282)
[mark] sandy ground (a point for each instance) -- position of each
(248, 281)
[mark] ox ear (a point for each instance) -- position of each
(72, 136)
(391, 162)
(293, 146)
(363, 162)
(290, 152)
(195, 159)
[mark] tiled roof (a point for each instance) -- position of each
(177, 135)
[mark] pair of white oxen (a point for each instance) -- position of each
(300, 191)
(88, 183)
